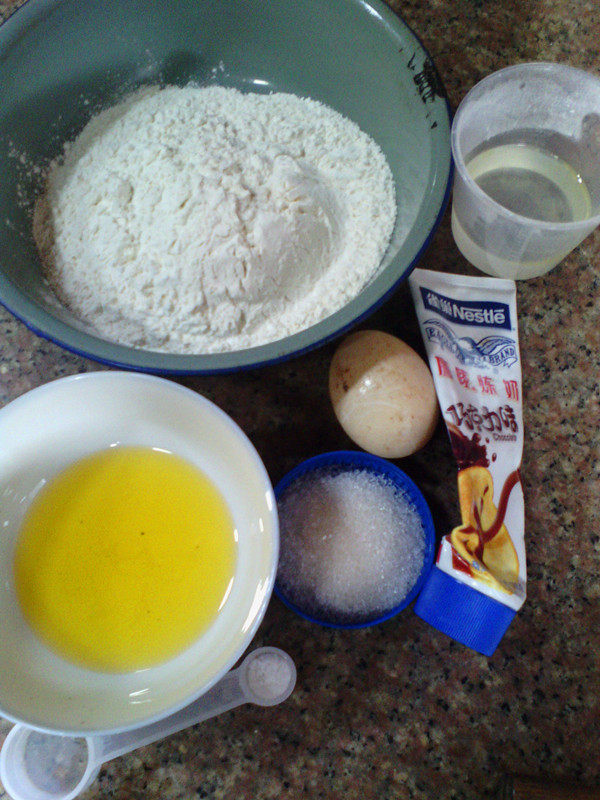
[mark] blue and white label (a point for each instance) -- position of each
(482, 313)
(491, 351)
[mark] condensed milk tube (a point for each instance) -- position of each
(469, 327)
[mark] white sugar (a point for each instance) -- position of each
(269, 675)
(352, 545)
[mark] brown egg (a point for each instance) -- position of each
(382, 394)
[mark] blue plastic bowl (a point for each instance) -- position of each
(346, 460)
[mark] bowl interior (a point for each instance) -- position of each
(61, 61)
(348, 461)
(52, 426)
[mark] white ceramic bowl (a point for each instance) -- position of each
(48, 428)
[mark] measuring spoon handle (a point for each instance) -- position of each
(226, 694)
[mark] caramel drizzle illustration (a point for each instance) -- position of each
(485, 535)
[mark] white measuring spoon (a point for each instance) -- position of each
(46, 766)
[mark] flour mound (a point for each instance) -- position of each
(203, 219)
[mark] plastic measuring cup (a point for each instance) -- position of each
(526, 146)
(35, 765)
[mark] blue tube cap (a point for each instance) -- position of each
(463, 613)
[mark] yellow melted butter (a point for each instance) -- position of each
(125, 558)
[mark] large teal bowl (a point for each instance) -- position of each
(61, 60)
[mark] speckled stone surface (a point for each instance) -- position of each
(400, 711)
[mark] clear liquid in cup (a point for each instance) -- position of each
(531, 182)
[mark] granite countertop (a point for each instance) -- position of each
(400, 710)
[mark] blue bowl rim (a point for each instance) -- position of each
(174, 364)
(382, 467)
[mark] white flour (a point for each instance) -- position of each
(202, 219)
